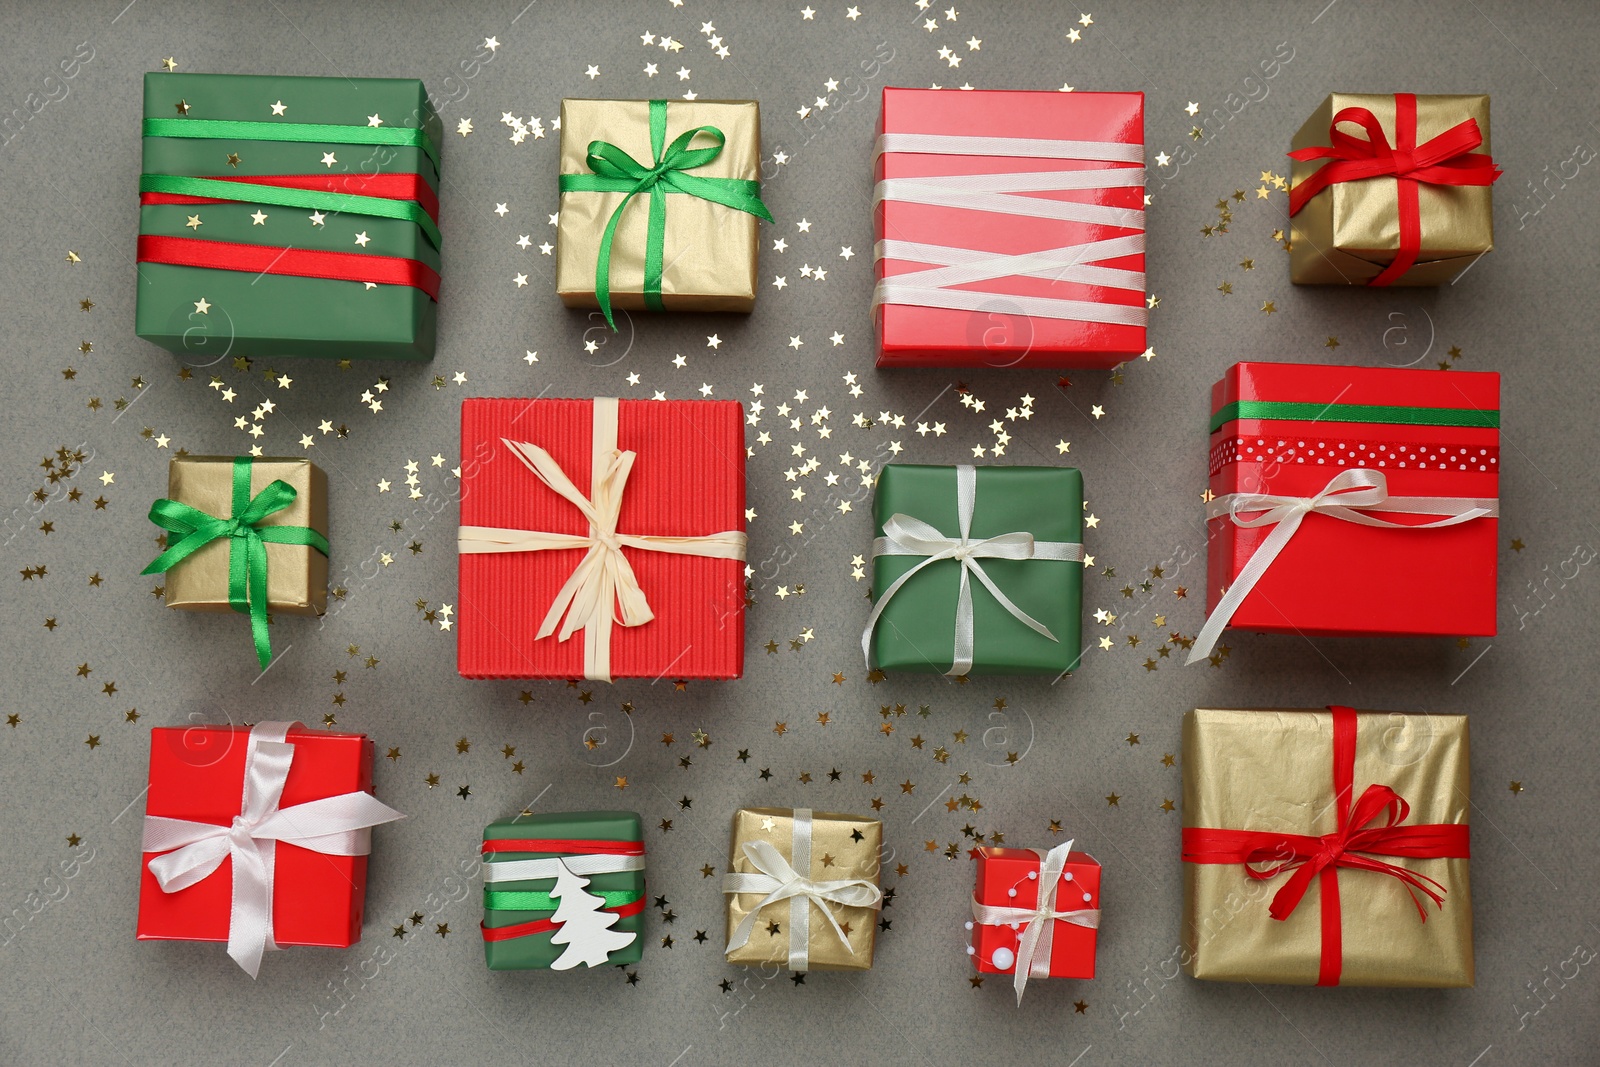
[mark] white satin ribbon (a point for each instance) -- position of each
(1347, 496)
(908, 536)
(1004, 194)
(334, 826)
(550, 866)
(1022, 147)
(779, 880)
(602, 589)
(1038, 922)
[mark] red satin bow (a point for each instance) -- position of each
(1352, 844)
(1447, 159)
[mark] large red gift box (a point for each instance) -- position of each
(197, 774)
(686, 481)
(1072, 946)
(1287, 429)
(1010, 229)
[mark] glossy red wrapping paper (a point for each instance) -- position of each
(1340, 578)
(1072, 946)
(940, 337)
(197, 773)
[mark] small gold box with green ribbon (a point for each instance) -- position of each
(659, 202)
(246, 535)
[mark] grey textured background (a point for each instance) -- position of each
(74, 985)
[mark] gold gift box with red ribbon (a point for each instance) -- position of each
(1391, 189)
(1326, 847)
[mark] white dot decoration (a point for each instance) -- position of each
(1011, 892)
(1016, 926)
(1422, 456)
(971, 951)
(1086, 898)
(1032, 875)
(1066, 876)
(1003, 959)
(969, 924)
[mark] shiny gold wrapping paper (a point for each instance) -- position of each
(709, 250)
(830, 836)
(297, 575)
(1347, 234)
(1272, 770)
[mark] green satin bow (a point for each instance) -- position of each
(614, 171)
(247, 545)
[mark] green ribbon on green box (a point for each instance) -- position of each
(539, 900)
(1391, 414)
(247, 551)
(615, 171)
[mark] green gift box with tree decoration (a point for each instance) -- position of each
(288, 216)
(563, 890)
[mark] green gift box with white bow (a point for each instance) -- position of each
(976, 570)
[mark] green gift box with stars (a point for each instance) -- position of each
(286, 216)
(976, 570)
(563, 890)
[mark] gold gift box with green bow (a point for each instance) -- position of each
(659, 202)
(244, 534)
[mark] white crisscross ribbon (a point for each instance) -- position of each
(1348, 496)
(1007, 194)
(602, 589)
(1037, 935)
(335, 826)
(905, 535)
(779, 879)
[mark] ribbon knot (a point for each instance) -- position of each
(613, 170)
(191, 850)
(247, 540)
(1348, 496)
(906, 535)
(1448, 159)
(1344, 847)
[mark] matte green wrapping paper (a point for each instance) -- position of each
(917, 627)
(577, 838)
(315, 220)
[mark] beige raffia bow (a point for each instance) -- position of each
(602, 589)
